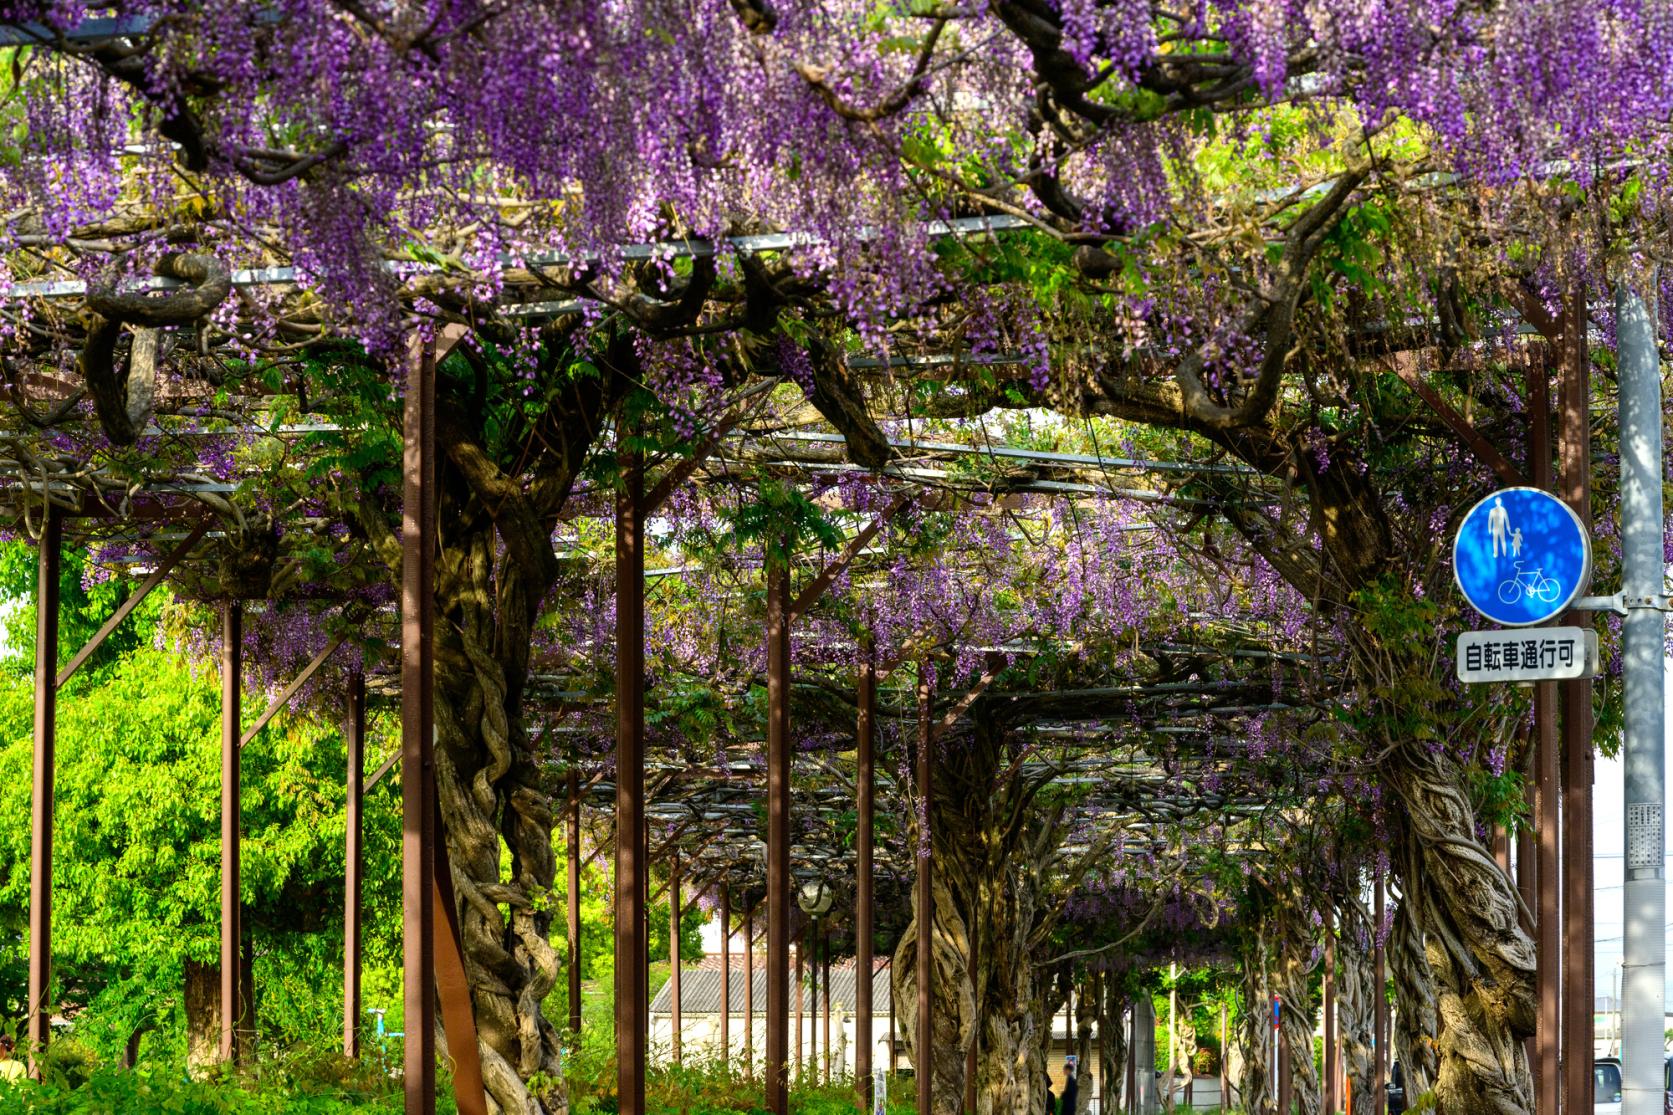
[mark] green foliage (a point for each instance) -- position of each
(778, 518)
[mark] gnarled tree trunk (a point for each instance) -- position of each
(1356, 1002)
(1417, 1021)
(1482, 959)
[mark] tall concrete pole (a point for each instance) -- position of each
(1643, 742)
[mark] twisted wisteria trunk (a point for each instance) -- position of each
(1417, 1021)
(1481, 958)
(1356, 1001)
(489, 787)
(989, 870)
(1293, 984)
(1254, 1027)
(1112, 1042)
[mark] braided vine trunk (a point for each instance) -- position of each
(1481, 958)
(1356, 1002)
(1417, 1021)
(988, 985)
(1254, 1029)
(488, 784)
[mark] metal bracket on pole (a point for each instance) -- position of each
(1621, 603)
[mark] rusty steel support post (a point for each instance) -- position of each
(1225, 1075)
(675, 897)
(1329, 1020)
(1286, 1078)
(1379, 999)
(232, 637)
(418, 772)
(631, 944)
(41, 790)
(865, 778)
(726, 977)
(354, 739)
(1547, 1059)
(572, 900)
(1579, 976)
(778, 834)
(922, 1048)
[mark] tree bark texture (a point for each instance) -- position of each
(1356, 1002)
(991, 853)
(1254, 1029)
(1417, 1021)
(203, 1016)
(1481, 958)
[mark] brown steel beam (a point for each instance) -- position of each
(799, 1026)
(572, 900)
(778, 834)
(865, 779)
(923, 1047)
(995, 664)
(134, 600)
(48, 567)
(1579, 975)
(354, 739)
(278, 703)
(418, 787)
(453, 991)
(1547, 1062)
(631, 860)
(814, 589)
(1379, 1000)
(232, 637)
(683, 471)
(825, 1041)
(1472, 438)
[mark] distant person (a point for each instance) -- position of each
(11, 1069)
(1051, 1100)
(1071, 1087)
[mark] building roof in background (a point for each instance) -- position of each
(700, 989)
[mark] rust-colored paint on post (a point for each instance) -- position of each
(1225, 1077)
(922, 1048)
(675, 897)
(418, 773)
(865, 779)
(1379, 999)
(232, 638)
(1574, 439)
(453, 991)
(572, 899)
(825, 963)
(1329, 1020)
(1547, 1059)
(354, 739)
(778, 836)
(631, 943)
(1578, 961)
(749, 992)
(1286, 1077)
(726, 976)
(41, 788)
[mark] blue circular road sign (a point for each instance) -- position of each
(1521, 556)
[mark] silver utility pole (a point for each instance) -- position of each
(1645, 949)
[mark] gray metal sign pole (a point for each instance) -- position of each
(1645, 951)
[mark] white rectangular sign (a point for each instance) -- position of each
(1531, 654)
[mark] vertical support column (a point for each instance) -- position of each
(1547, 1060)
(1644, 960)
(1379, 999)
(825, 965)
(1329, 1020)
(749, 992)
(801, 998)
(232, 955)
(923, 1047)
(1579, 975)
(631, 945)
(674, 900)
(865, 778)
(418, 772)
(1225, 1074)
(726, 977)
(572, 899)
(778, 832)
(41, 790)
(354, 739)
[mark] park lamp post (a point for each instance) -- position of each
(815, 900)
